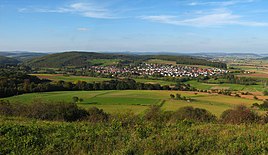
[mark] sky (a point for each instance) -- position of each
(134, 25)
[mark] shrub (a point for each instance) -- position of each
(172, 96)
(255, 97)
(237, 95)
(44, 111)
(153, 113)
(96, 115)
(255, 105)
(5, 108)
(265, 118)
(264, 105)
(75, 99)
(238, 115)
(127, 118)
(56, 111)
(8, 109)
(194, 114)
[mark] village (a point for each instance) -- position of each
(160, 70)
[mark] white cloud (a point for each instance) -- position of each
(221, 3)
(218, 18)
(85, 9)
(82, 29)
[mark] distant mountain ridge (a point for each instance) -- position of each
(21, 55)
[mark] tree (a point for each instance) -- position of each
(194, 114)
(26, 85)
(240, 114)
(178, 96)
(172, 96)
(81, 100)
(265, 92)
(75, 99)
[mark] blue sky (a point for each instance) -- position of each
(134, 25)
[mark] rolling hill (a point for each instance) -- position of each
(8, 61)
(78, 59)
(21, 55)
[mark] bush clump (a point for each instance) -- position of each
(194, 114)
(45, 111)
(154, 113)
(240, 114)
(56, 111)
(8, 109)
(96, 115)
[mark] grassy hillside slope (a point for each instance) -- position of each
(24, 136)
(137, 101)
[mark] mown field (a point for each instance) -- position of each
(104, 62)
(257, 68)
(199, 85)
(237, 87)
(166, 62)
(114, 101)
(58, 77)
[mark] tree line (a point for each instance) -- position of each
(15, 83)
(228, 78)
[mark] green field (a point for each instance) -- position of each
(137, 100)
(160, 61)
(238, 87)
(104, 62)
(199, 85)
(58, 77)
(161, 82)
(165, 62)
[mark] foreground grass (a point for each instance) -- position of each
(114, 101)
(26, 136)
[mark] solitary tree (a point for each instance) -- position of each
(75, 99)
(255, 97)
(178, 96)
(81, 100)
(172, 96)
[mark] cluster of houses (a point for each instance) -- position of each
(163, 70)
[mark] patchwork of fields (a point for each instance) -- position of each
(137, 100)
(198, 85)
(58, 77)
(238, 87)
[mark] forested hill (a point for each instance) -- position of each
(8, 61)
(75, 59)
(78, 59)
(191, 61)
(264, 58)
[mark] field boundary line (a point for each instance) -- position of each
(108, 92)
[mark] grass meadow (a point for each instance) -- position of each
(206, 86)
(58, 77)
(117, 101)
